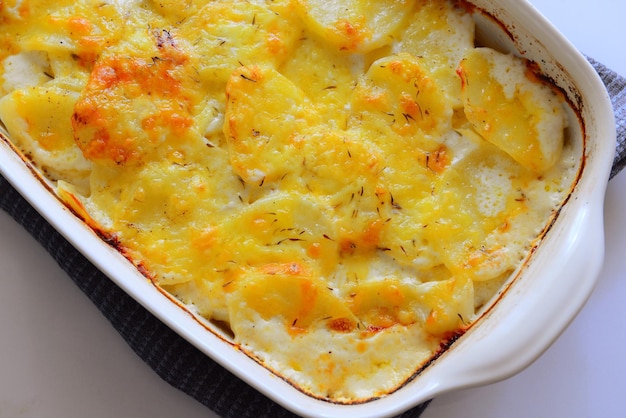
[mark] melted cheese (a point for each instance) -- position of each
(319, 177)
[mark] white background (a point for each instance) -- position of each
(59, 357)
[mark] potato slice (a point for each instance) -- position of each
(397, 91)
(29, 115)
(139, 105)
(72, 29)
(385, 303)
(288, 291)
(281, 227)
(440, 34)
(327, 77)
(229, 34)
(355, 26)
(265, 115)
(511, 108)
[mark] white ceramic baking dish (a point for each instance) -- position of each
(537, 306)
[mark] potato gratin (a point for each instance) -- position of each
(342, 186)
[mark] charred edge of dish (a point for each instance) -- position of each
(446, 343)
(144, 271)
(228, 334)
(574, 98)
(571, 94)
(465, 5)
(34, 170)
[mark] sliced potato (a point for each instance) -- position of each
(511, 108)
(289, 292)
(328, 77)
(397, 91)
(226, 35)
(352, 25)
(39, 120)
(439, 34)
(281, 227)
(385, 303)
(137, 107)
(72, 29)
(265, 115)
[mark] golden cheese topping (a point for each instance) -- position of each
(344, 185)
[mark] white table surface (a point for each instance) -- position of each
(59, 357)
